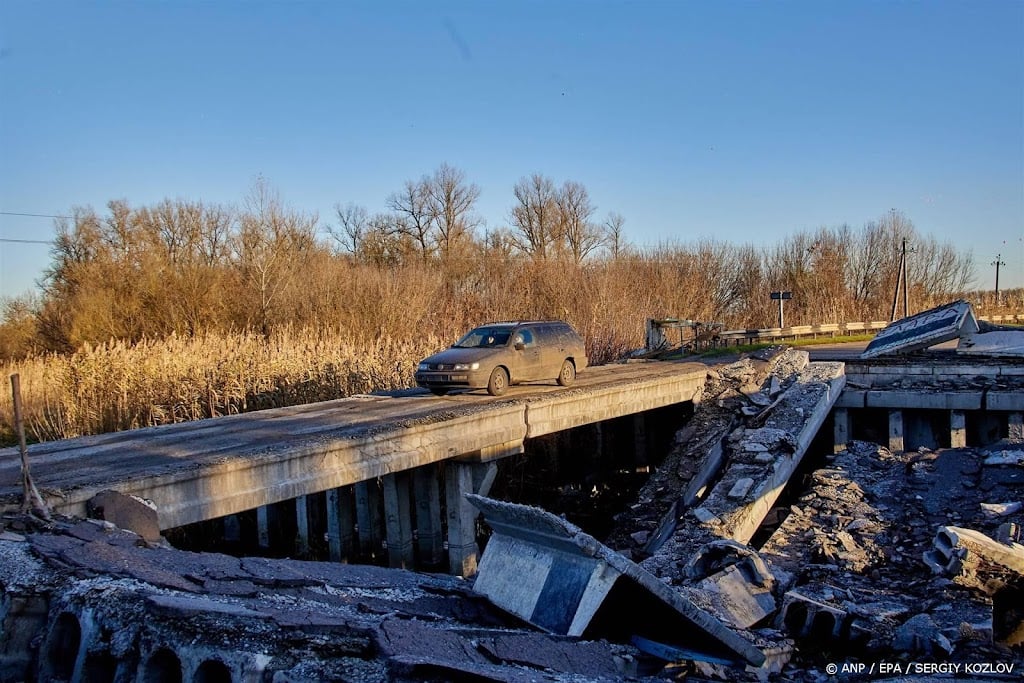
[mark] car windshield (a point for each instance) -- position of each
(484, 337)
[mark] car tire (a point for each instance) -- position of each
(438, 391)
(567, 375)
(497, 384)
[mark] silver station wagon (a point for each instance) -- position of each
(495, 355)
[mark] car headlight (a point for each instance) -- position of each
(423, 367)
(466, 366)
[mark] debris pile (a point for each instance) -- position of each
(83, 600)
(879, 561)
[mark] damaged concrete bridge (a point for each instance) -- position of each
(805, 514)
(383, 460)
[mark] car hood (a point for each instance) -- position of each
(457, 355)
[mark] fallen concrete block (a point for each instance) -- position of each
(934, 326)
(547, 571)
(973, 559)
(803, 616)
(1005, 457)
(997, 343)
(126, 512)
(737, 598)
(920, 634)
(1001, 509)
(740, 489)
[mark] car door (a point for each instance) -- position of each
(552, 351)
(528, 358)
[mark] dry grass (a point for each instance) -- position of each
(118, 386)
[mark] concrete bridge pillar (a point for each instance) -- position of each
(1015, 426)
(461, 478)
(599, 437)
(268, 524)
(841, 430)
(896, 430)
(341, 524)
(301, 526)
(398, 518)
(427, 495)
(640, 439)
(369, 519)
(957, 429)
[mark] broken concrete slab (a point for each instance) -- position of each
(975, 560)
(547, 571)
(993, 340)
(737, 598)
(798, 414)
(126, 512)
(934, 326)
(75, 608)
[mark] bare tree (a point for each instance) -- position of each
(614, 239)
(387, 241)
(574, 212)
(451, 201)
(268, 248)
(353, 223)
(535, 216)
(417, 213)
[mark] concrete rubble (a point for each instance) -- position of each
(83, 600)
(846, 567)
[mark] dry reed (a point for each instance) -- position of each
(116, 386)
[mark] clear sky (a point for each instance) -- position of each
(741, 121)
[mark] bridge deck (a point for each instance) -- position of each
(209, 468)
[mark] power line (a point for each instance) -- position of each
(32, 215)
(3, 239)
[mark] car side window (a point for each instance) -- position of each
(524, 337)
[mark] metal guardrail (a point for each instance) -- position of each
(740, 337)
(767, 334)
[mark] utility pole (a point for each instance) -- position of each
(998, 262)
(906, 288)
(901, 282)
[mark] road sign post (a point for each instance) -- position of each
(781, 296)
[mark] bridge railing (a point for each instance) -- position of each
(709, 339)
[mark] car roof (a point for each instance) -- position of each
(517, 323)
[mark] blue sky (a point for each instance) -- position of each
(739, 121)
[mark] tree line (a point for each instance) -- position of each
(426, 266)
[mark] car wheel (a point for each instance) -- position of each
(568, 373)
(498, 382)
(438, 391)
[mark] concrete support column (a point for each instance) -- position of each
(369, 518)
(232, 529)
(598, 437)
(896, 430)
(957, 429)
(302, 526)
(341, 523)
(264, 515)
(1015, 425)
(427, 495)
(460, 478)
(640, 439)
(398, 520)
(841, 431)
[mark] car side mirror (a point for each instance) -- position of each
(520, 346)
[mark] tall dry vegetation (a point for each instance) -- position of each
(115, 385)
(184, 309)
